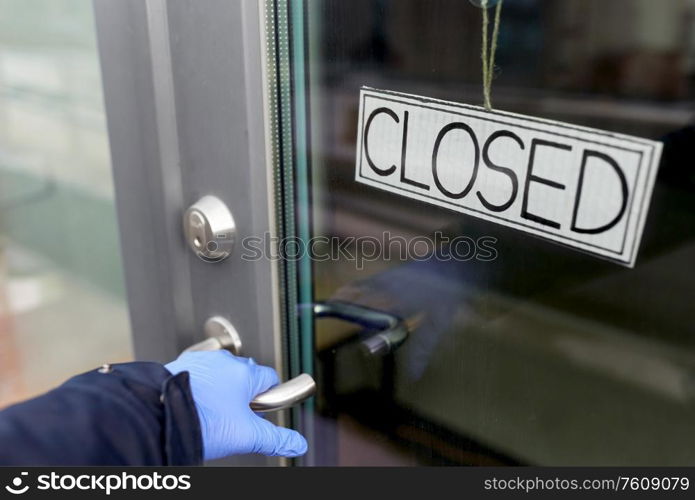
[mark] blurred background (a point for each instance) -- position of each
(62, 303)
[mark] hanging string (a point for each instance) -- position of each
(488, 56)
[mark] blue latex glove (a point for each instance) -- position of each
(223, 385)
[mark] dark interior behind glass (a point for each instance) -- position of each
(544, 355)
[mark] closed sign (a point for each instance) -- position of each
(585, 188)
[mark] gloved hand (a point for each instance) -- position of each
(223, 385)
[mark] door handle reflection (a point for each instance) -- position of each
(393, 331)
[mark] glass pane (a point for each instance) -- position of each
(543, 355)
(62, 304)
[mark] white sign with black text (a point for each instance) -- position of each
(585, 188)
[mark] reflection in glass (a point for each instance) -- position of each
(542, 355)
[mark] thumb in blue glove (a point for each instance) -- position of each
(223, 385)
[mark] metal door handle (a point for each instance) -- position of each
(222, 335)
(393, 331)
(286, 394)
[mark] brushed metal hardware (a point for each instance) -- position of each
(209, 229)
(221, 334)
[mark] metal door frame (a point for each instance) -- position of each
(184, 90)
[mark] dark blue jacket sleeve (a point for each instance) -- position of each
(129, 414)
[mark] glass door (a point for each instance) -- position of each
(524, 352)
(62, 300)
